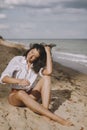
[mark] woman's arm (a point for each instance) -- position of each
(6, 76)
(48, 69)
(11, 80)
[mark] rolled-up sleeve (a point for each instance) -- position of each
(9, 69)
(40, 72)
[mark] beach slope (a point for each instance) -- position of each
(68, 99)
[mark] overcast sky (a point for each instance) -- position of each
(43, 19)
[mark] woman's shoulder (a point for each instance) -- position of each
(18, 58)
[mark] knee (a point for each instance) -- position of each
(47, 78)
(20, 93)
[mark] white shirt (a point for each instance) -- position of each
(18, 68)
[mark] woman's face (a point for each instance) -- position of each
(32, 55)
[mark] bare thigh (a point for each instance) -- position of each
(36, 91)
(13, 100)
(35, 94)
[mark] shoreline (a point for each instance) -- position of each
(78, 65)
(68, 99)
(70, 64)
(75, 66)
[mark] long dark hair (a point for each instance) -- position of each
(40, 62)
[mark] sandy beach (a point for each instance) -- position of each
(68, 98)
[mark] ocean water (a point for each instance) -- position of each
(68, 52)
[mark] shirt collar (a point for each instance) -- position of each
(24, 61)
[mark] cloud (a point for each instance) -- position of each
(44, 4)
(43, 18)
(27, 25)
(77, 4)
(4, 5)
(2, 16)
(3, 26)
(31, 3)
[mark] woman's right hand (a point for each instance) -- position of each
(23, 82)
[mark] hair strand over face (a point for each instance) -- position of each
(40, 62)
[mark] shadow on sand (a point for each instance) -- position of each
(58, 97)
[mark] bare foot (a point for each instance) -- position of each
(66, 123)
(62, 122)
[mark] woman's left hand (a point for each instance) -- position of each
(47, 49)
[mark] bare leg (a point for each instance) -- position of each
(13, 100)
(46, 91)
(22, 96)
(43, 89)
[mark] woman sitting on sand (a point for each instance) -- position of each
(22, 73)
